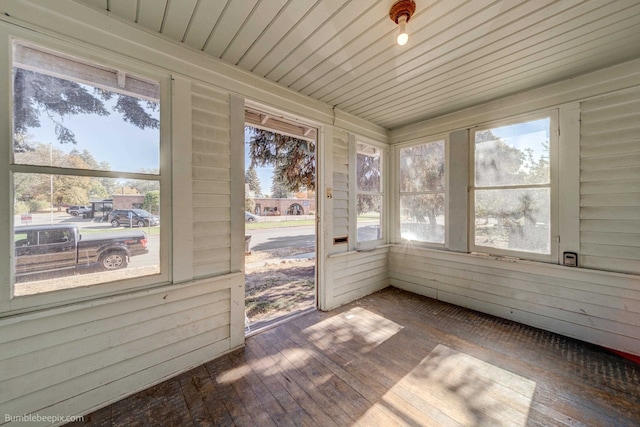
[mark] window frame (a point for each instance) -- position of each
(398, 193)
(9, 302)
(382, 149)
(552, 256)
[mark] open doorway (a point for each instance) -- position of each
(280, 219)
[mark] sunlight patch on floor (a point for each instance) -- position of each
(454, 388)
(358, 324)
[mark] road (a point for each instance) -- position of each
(149, 259)
(283, 237)
(261, 239)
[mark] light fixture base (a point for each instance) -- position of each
(402, 8)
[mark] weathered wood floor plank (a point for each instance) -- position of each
(394, 358)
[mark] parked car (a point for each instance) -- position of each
(40, 248)
(249, 217)
(271, 212)
(132, 217)
(76, 210)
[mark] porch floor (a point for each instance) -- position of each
(395, 358)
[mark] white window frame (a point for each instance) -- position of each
(11, 304)
(553, 187)
(399, 192)
(369, 244)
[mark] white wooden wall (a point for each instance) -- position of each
(610, 182)
(341, 188)
(211, 181)
(76, 358)
(71, 357)
(356, 274)
(600, 160)
(597, 307)
(350, 274)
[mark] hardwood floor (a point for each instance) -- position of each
(394, 358)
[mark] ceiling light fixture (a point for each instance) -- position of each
(400, 13)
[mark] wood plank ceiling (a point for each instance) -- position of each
(343, 52)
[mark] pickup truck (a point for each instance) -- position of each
(40, 248)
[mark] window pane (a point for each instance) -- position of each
(66, 122)
(422, 217)
(368, 173)
(64, 226)
(368, 224)
(422, 168)
(513, 155)
(516, 219)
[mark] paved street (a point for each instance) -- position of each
(261, 239)
(284, 237)
(148, 259)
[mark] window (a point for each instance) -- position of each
(422, 192)
(82, 133)
(369, 199)
(512, 188)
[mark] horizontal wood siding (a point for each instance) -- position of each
(340, 186)
(598, 307)
(75, 359)
(610, 182)
(356, 274)
(211, 181)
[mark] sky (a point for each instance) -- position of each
(125, 147)
(129, 149)
(265, 175)
(108, 138)
(526, 135)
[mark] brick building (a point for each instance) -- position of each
(293, 206)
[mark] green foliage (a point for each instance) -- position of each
(500, 164)
(293, 160)
(141, 186)
(422, 170)
(36, 205)
(249, 205)
(251, 178)
(151, 202)
(20, 208)
(69, 189)
(57, 98)
(369, 178)
(280, 189)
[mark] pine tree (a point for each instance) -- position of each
(251, 178)
(279, 189)
(293, 160)
(60, 98)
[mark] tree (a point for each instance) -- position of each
(516, 194)
(293, 159)
(251, 178)
(70, 189)
(142, 186)
(280, 189)
(151, 201)
(249, 205)
(422, 169)
(36, 93)
(497, 163)
(368, 179)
